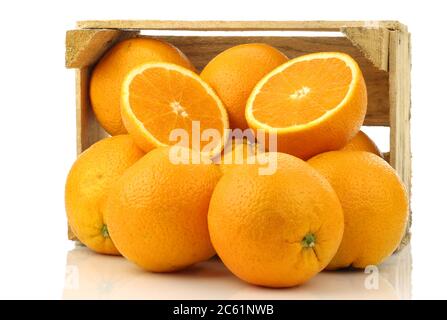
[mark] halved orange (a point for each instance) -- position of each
(158, 98)
(313, 103)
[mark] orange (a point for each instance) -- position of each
(374, 202)
(275, 230)
(87, 185)
(160, 97)
(361, 142)
(157, 211)
(234, 73)
(314, 103)
(108, 75)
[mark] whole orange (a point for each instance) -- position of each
(361, 142)
(234, 73)
(157, 211)
(109, 72)
(87, 185)
(375, 205)
(276, 230)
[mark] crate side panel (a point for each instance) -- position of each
(201, 49)
(88, 129)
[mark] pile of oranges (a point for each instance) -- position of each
(303, 190)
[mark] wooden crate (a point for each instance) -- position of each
(382, 49)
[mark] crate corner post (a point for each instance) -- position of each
(373, 42)
(400, 104)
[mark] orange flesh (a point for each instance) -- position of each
(304, 91)
(164, 100)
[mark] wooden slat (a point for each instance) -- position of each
(400, 153)
(372, 42)
(386, 156)
(88, 129)
(236, 25)
(200, 50)
(84, 47)
(400, 103)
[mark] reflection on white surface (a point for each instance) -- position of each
(93, 276)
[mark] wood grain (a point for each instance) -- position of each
(400, 103)
(236, 25)
(88, 129)
(400, 153)
(84, 47)
(372, 42)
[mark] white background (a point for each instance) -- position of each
(37, 129)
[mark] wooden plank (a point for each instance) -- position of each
(400, 103)
(386, 156)
(400, 153)
(88, 129)
(201, 49)
(236, 25)
(372, 42)
(84, 47)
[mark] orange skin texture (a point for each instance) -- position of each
(108, 75)
(88, 183)
(234, 72)
(375, 205)
(330, 134)
(157, 212)
(257, 223)
(361, 142)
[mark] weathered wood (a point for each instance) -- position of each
(84, 47)
(400, 95)
(386, 156)
(400, 64)
(88, 129)
(373, 42)
(236, 25)
(201, 49)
